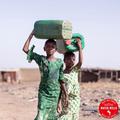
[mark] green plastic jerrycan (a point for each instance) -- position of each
(71, 44)
(53, 29)
(64, 45)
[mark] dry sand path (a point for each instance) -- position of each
(13, 107)
(19, 101)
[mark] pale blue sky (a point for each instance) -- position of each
(97, 20)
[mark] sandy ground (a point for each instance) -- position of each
(19, 101)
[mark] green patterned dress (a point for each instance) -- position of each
(49, 88)
(73, 89)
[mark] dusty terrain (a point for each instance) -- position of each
(19, 101)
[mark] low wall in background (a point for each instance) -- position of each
(28, 74)
(33, 74)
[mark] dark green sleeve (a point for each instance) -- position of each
(34, 56)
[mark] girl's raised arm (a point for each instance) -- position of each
(80, 58)
(27, 43)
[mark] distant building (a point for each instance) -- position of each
(95, 74)
(32, 74)
(19, 75)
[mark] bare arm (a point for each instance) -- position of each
(64, 92)
(63, 89)
(27, 43)
(78, 65)
(59, 105)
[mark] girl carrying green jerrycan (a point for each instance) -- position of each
(51, 70)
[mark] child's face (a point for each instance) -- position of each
(69, 61)
(50, 48)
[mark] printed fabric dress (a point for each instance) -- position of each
(49, 88)
(72, 111)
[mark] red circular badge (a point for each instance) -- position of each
(108, 108)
